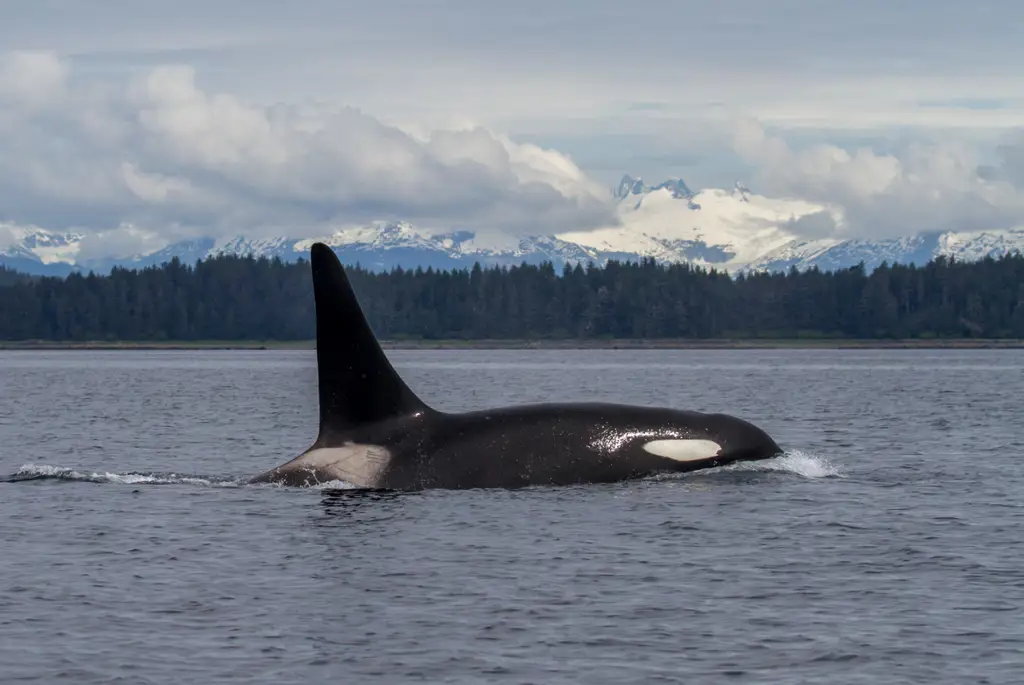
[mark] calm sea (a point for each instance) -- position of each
(885, 547)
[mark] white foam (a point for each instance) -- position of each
(335, 485)
(46, 471)
(793, 461)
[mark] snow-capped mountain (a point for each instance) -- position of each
(34, 250)
(733, 230)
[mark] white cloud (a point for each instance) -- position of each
(7, 237)
(157, 157)
(120, 242)
(160, 152)
(168, 115)
(32, 79)
(155, 188)
(533, 64)
(939, 186)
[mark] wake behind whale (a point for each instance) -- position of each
(376, 433)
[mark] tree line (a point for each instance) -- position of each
(245, 298)
(10, 276)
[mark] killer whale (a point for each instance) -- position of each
(376, 433)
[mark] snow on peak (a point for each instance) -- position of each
(34, 243)
(628, 186)
(635, 186)
(733, 229)
(727, 229)
(741, 190)
(242, 246)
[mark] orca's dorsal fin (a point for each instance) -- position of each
(357, 383)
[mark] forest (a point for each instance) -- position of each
(232, 298)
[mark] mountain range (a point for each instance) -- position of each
(728, 229)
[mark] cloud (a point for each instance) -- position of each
(7, 237)
(149, 119)
(929, 187)
(123, 241)
(32, 79)
(160, 153)
(1010, 154)
(821, 224)
(533, 64)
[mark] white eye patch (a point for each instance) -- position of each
(683, 450)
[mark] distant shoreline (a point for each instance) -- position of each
(568, 344)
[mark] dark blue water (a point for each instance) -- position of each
(886, 547)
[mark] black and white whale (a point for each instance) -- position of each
(375, 433)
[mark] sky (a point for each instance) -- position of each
(143, 121)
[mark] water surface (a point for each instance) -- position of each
(885, 547)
